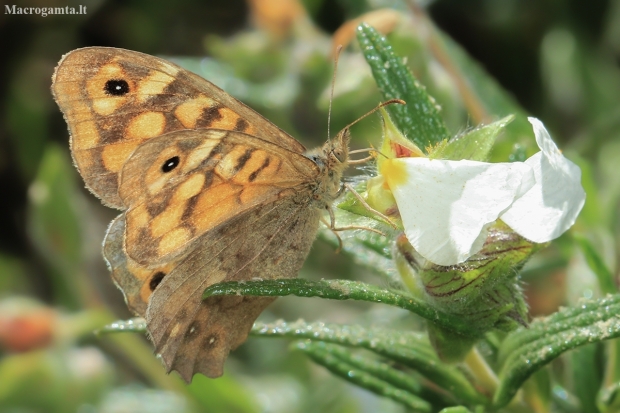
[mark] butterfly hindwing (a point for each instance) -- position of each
(268, 242)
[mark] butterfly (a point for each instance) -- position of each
(210, 191)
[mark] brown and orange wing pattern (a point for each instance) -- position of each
(268, 241)
(115, 99)
(183, 184)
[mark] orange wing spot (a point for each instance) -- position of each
(146, 125)
(170, 218)
(85, 135)
(173, 240)
(228, 120)
(153, 84)
(189, 112)
(116, 154)
(215, 205)
(191, 187)
(104, 104)
(108, 105)
(228, 166)
(250, 130)
(202, 152)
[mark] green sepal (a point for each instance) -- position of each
(475, 145)
(483, 290)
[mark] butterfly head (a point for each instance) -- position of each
(336, 151)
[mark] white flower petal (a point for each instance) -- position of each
(446, 206)
(551, 206)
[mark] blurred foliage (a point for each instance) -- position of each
(556, 60)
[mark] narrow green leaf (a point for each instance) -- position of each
(597, 265)
(340, 290)
(369, 374)
(133, 325)
(536, 390)
(419, 119)
(54, 226)
(407, 348)
(586, 376)
(564, 400)
(455, 409)
(608, 398)
(527, 350)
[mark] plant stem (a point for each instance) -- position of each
(484, 377)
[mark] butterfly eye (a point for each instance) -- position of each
(156, 279)
(170, 164)
(116, 87)
(338, 154)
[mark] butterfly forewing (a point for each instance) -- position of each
(185, 183)
(115, 99)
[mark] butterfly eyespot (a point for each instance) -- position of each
(170, 164)
(156, 279)
(116, 87)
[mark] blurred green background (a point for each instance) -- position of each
(558, 59)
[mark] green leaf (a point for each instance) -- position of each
(526, 350)
(586, 376)
(455, 409)
(372, 375)
(419, 119)
(597, 265)
(339, 290)
(475, 145)
(133, 325)
(407, 348)
(54, 225)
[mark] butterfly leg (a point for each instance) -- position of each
(363, 160)
(332, 226)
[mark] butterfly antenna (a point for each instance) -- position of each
(379, 106)
(331, 92)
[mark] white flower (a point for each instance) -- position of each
(447, 206)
